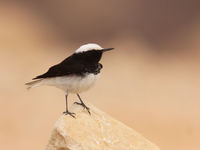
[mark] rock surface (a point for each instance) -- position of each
(96, 132)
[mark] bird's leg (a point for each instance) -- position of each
(67, 112)
(82, 104)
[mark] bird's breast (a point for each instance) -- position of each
(76, 84)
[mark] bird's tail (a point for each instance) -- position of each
(33, 84)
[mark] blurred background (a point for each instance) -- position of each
(151, 82)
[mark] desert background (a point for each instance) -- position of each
(150, 82)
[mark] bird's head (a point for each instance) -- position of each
(90, 47)
(90, 53)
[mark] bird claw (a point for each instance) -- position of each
(84, 106)
(69, 113)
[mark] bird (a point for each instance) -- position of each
(75, 74)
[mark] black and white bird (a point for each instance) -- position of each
(76, 74)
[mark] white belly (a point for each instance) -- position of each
(73, 84)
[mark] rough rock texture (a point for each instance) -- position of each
(96, 132)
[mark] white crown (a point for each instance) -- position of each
(88, 47)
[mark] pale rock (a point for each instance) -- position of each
(97, 131)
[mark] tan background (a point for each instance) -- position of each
(151, 81)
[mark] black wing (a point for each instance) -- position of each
(75, 64)
(66, 67)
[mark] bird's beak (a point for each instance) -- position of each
(106, 49)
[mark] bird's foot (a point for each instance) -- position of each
(84, 106)
(69, 113)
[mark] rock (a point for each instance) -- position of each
(97, 131)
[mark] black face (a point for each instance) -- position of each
(91, 56)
